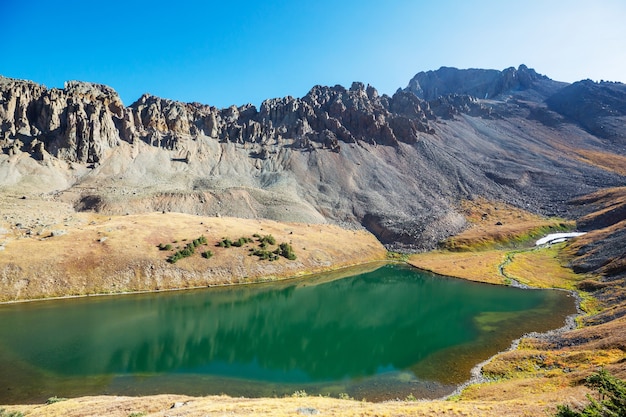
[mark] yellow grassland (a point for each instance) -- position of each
(98, 254)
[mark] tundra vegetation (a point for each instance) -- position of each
(266, 249)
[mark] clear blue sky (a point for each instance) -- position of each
(235, 52)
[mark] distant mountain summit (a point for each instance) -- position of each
(480, 83)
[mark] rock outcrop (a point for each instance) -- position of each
(600, 108)
(80, 122)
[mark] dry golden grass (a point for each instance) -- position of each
(605, 160)
(542, 268)
(112, 254)
(495, 224)
(477, 253)
(474, 266)
(161, 405)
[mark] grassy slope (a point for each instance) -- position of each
(110, 254)
(496, 231)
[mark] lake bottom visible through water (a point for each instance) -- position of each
(384, 334)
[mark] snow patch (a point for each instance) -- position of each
(557, 238)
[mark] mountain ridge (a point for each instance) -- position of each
(396, 165)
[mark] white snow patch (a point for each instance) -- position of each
(557, 237)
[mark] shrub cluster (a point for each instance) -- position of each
(264, 250)
(225, 243)
(266, 240)
(188, 250)
(284, 249)
(612, 401)
(264, 254)
(242, 241)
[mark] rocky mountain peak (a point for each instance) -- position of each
(89, 90)
(480, 83)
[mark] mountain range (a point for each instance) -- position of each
(396, 165)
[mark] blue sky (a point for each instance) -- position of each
(236, 52)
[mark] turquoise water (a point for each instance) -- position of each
(383, 334)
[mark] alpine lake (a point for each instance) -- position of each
(383, 333)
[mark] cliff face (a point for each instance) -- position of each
(395, 165)
(82, 121)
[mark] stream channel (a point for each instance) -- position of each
(385, 333)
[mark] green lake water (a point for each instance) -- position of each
(382, 334)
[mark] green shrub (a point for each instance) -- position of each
(225, 243)
(163, 246)
(285, 250)
(267, 239)
(265, 255)
(55, 399)
(4, 413)
(207, 254)
(241, 241)
(612, 402)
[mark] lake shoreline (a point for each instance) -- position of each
(372, 254)
(473, 290)
(339, 270)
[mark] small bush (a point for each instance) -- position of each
(207, 254)
(265, 255)
(267, 239)
(225, 243)
(55, 399)
(241, 241)
(612, 402)
(300, 394)
(285, 250)
(4, 413)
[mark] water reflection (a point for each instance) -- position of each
(349, 329)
